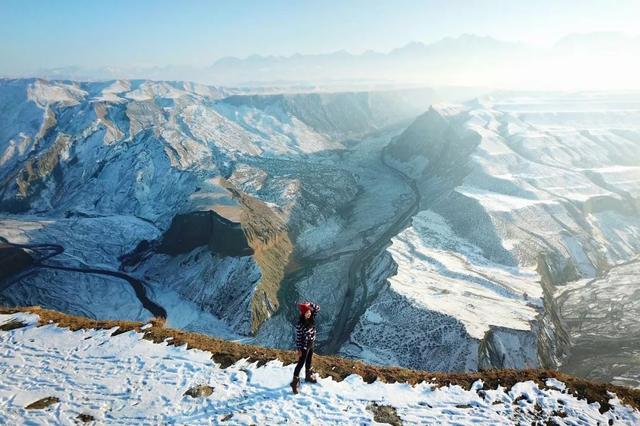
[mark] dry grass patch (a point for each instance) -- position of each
(228, 353)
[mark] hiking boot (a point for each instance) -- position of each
(311, 377)
(294, 384)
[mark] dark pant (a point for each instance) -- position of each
(305, 359)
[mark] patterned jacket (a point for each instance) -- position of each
(306, 334)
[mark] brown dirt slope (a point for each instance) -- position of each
(227, 353)
(268, 236)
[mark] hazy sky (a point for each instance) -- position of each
(44, 34)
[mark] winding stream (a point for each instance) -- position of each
(352, 310)
(357, 295)
(43, 252)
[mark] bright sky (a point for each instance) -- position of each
(45, 34)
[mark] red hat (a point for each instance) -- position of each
(304, 307)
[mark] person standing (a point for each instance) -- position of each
(305, 340)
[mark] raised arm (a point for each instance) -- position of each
(315, 309)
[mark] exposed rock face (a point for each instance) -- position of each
(435, 145)
(601, 321)
(385, 414)
(192, 230)
(507, 348)
(43, 403)
(553, 340)
(269, 239)
(12, 261)
(261, 234)
(200, 391)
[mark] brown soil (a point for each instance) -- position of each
(11, 325)
(200, 391)
(227, 353)
(42, 403)
(85, 418)
(268, 236)
(36, 170)
(385, 414)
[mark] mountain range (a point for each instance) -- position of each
(467, 60)
(438, 229)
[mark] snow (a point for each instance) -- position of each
(499, 202)
(48, 92)
(625, 178)
(125, 379)
(444, 273)
(111, 92)
(186, 315)
(149, 90)
(94, 296)
(273, 130)
(555, 383)
(208, 125)
(548, 176)
(551, 174)
(115, 239)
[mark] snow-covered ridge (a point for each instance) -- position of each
(123, 378)
(514, 190)
(123, 159)
(467, 211)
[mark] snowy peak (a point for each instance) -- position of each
(434, 140)
(43, 93)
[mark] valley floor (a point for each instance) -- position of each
(126, 379)
(602, 319)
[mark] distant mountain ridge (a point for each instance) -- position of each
(467, 60)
